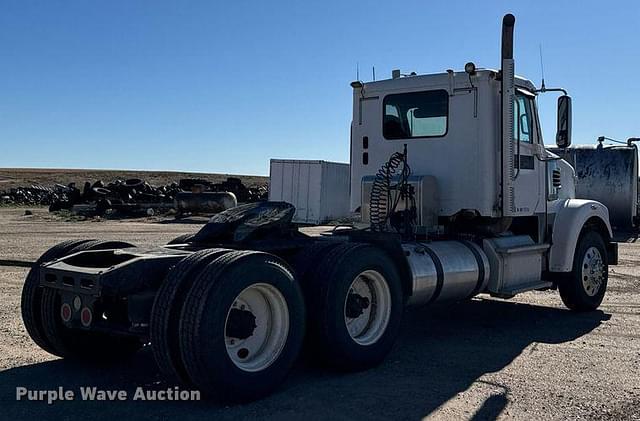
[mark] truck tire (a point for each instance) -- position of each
(583, 289)
(305, 262)
(31, 299)
(183, 239)
(242, 326)
(356, 302)
(81, 344)
(166, 310)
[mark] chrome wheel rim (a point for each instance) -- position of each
(367, 308)
(593, 271)
(262, 313)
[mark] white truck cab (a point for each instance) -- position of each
(451, 124)
(478, 168)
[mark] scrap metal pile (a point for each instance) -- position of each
(33, 195)
(233, 185)
(127, 197)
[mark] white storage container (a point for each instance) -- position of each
(318, 189)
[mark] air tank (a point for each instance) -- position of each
(446, 270)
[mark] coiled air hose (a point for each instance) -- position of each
(380, 198)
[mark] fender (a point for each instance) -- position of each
(569, 221)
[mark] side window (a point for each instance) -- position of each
(391, 111)
(415, 115)
(522, 121)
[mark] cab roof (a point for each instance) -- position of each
(441, 79)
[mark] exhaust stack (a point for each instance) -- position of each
(508, 21)
(508, 92)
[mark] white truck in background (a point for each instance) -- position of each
(461, 198)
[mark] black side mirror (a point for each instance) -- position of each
(563, 135)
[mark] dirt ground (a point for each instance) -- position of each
(21, 177)
(526, 358)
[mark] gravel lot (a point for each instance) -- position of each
(526, 358)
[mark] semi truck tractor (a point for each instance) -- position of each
(458, 197)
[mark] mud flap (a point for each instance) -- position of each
(612, 253)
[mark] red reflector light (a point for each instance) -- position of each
(86, 317)
(65, 312)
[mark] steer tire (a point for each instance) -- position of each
(77, 343)
(204, 327)
(327, 296)
(166, 310)
(573, 291)
(31, 299)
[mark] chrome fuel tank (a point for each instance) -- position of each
(446, 270)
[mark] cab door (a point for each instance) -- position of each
(527, 168)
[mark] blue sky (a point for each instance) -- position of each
(224, 86)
